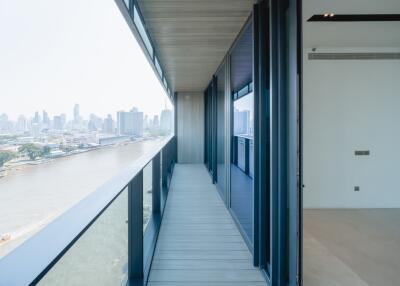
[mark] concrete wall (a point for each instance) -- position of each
(351, 105)
(190, 127)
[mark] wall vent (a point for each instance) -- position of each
(354, 56)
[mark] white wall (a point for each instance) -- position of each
(351, 105)
(190, 135)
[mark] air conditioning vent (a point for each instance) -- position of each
(354, 56)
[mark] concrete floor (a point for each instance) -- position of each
(352, 247)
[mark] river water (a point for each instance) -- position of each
(32, 197)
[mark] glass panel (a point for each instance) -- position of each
(142, 31)
(243, 116)
(100, 256)
(242, 169)
(147, 193)
(127, 3)
(251, 87)
(221, 167)
(165, 82)
(158, 67)
(243, 91)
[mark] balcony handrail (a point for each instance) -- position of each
(30, 261)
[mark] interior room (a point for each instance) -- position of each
(351, 95)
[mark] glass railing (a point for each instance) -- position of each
(108, 238)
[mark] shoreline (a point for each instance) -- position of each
(23, 164)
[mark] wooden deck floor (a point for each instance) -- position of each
(199, 243)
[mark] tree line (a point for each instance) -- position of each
(33, 151)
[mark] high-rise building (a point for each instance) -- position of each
(156, 121)
(63, 119)
(166, 121)
(3, 117)
(22, 124)
(45, 117)
(59, 122)
(108, 125)
(35, 130)
(76, 113)
(130, 123)
(36, 119)
(146, 122)
(4, 123)
(95, 123)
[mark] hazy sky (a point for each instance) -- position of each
(54, 54)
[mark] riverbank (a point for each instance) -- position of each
(34, 195)
(20, 164)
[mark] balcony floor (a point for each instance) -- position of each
(199, 244)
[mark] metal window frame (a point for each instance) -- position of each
(128, 14)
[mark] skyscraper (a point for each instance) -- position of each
(108, 125)
(95, 122)
(130, 123)
(46, 119)
(76, 112)
(57, 122)
(36, 119)
(22, 124)
(156, 122)
(166, 121)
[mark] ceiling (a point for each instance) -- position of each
(350, 34)
(193, 36)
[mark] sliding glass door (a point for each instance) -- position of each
(242, 139)
(220, 156)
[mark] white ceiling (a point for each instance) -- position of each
(350, 34)
(193, 36)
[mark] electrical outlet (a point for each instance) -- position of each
(356, 188)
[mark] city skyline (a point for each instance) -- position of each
(71, 115)
(55, 73)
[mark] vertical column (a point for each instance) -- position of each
(175, 126)
(262, 143)
(214, 94)
(228, 129)
(156, 185)
(247, 155)
(135, 230)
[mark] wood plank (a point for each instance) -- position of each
(198, 243)
(207, 275)
(190, 283)
(189, 264)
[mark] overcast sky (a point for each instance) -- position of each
(54, 54)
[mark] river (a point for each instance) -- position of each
(32, 197)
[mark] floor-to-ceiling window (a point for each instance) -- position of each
(221, 166)
(242, 143)
(242, 164)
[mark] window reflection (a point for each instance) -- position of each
(243, 116)
(242, 167)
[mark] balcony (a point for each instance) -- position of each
(108, 239)
(199, 244)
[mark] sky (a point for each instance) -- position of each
(54, 54)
